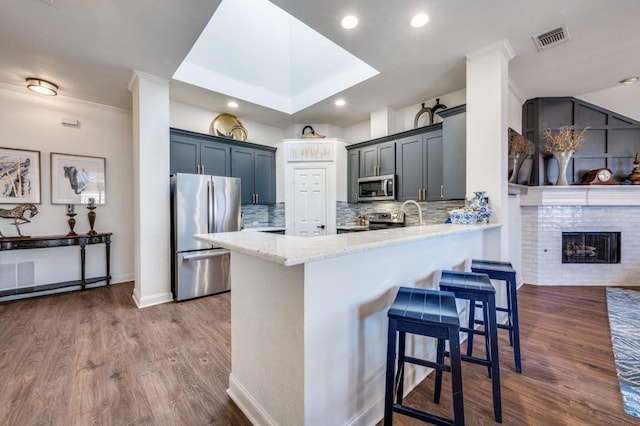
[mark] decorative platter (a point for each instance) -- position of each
(228, 126)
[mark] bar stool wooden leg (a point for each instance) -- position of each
(494, 371)
(456, 377)
(389, 385)
(439, 360)
(402, 336)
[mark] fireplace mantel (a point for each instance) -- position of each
(577, 195)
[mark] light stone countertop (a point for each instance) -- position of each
(290, 250)
(265, 229)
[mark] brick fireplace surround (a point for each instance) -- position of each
(547, 211)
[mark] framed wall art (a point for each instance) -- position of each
(19, 176)
(77, 179)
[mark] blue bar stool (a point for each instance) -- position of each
(428, 313)
(503, 271)
(476, 288)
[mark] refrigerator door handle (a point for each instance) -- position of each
(206, 255)
(211, 211)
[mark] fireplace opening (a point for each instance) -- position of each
(591, 247)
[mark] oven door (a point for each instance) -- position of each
(377, 188)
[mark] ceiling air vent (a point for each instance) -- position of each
(551, 38)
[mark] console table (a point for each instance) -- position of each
(48, 241)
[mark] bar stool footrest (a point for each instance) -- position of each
(421, 415)
(472, 359)
(473, 331)
(426, 363)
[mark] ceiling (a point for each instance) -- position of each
(90, 48)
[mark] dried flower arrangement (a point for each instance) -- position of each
(518, 144)
(565, 140)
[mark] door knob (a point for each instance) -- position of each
(320, 226)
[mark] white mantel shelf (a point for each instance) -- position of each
(577, 195)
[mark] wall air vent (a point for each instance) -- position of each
(551, 38)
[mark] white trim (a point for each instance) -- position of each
(502, 45)
(581, 195)
(515, 90)
(247, 404)
(136, 75)
(156, 299)
(65, 99)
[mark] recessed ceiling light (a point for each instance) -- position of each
(42, 87)
(232, 104)
(630, 80)
(340, 102)
(419, 20)
(349, 22)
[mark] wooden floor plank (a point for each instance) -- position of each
(94, 358)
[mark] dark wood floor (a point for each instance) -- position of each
(94, 358)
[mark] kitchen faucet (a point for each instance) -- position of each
(417, 205)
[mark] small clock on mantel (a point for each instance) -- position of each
(602, 176)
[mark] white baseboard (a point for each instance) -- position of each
(156, 299)
(247, 404)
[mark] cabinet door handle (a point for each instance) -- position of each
(441, 191)
(202, 168)
(419, 194)
(257, 198)
(197, 169)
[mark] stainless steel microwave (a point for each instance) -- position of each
(377, 188)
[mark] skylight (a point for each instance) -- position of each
(255, 51)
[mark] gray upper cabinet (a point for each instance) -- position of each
(353, 165)
(194, 153)
(254, 164)
(215, 159)
(419, 167)
(429, 162)
(256, 170)
(378, 159)
(454, 152)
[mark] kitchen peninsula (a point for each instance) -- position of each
(308, 315)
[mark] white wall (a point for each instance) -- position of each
(30, 121)
(188, 117)
(404, 117)
(622, 99)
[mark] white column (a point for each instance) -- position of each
(382, 122)
(487, 125)
(150, 101)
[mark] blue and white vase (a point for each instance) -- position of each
(481, 205)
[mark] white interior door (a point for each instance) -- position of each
(310, 202)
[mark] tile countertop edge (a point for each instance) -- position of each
(289, 250)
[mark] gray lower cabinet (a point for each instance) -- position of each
(419, 167)
(378, 159)
(256, 170)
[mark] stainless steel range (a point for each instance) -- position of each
(386, 220)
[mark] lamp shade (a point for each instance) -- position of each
(42, 87)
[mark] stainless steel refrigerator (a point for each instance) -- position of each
(201, 204)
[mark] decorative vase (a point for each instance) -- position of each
(562, 157)
(481, 205)
(518, 159)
